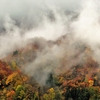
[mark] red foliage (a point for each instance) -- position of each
(4, 71)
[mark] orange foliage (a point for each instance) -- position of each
(10, 93)
(4, 70)
(11, 77)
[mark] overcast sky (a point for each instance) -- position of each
(18, 8)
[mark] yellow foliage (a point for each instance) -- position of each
(51, 90)
(61, 79)
(11, 77)
(4, 91)
(50, 95)
(14, 65)
(45, 97)
(18, 82)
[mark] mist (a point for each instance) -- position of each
(87, 26)
(75, 23)
(22, 20)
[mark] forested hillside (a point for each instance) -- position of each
(79, 82)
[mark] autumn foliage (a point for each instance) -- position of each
(79, 82)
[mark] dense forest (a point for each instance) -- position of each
(79, 82)
(49, 50)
